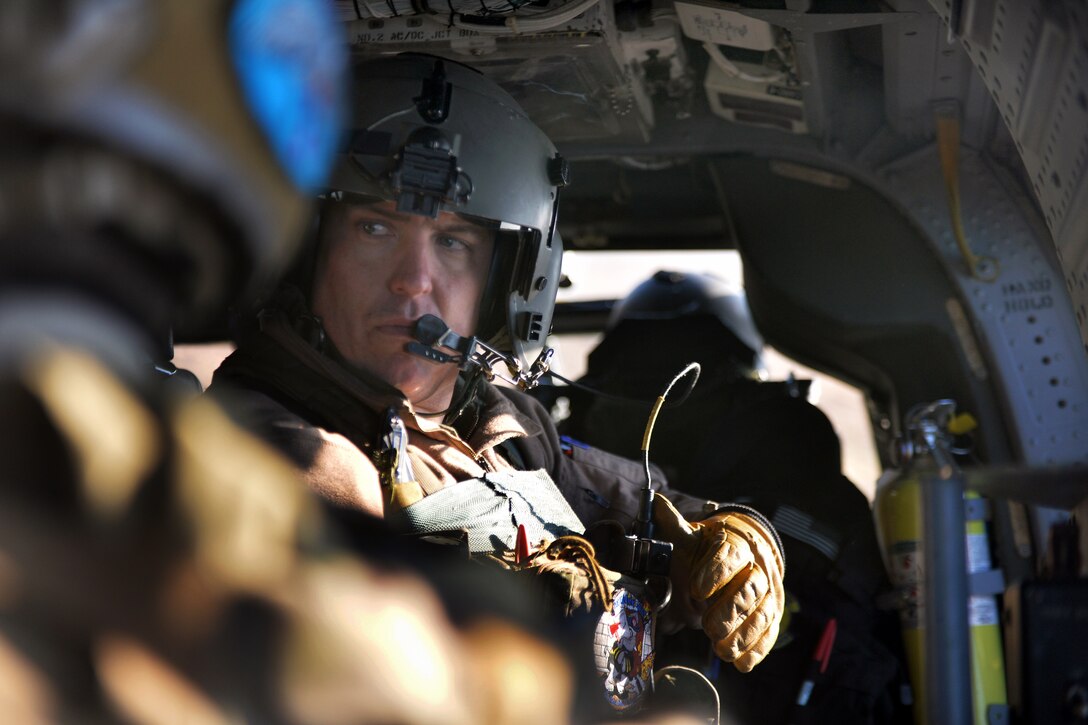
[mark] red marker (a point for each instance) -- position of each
(820, 657)
(521, 546)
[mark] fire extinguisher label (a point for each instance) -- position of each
(906, 560)
(978, 553)
(982, 611)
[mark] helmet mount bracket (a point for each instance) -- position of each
(427, 175)
(433, 102)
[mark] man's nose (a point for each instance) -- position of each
(413, 266)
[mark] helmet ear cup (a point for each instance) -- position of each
(245, 318)
(492, 321)
(304, 267)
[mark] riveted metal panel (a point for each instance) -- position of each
(1023, 321)
(1033, 57)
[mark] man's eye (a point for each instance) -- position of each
(452, 243)
(374, 229)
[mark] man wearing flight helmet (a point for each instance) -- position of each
(155, 560)
(444, 207)
(764, 444)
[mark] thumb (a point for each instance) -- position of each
(671, 525)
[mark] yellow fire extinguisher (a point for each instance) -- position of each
(899, 521)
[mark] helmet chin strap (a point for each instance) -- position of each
(432, 333)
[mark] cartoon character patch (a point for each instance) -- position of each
(624, 649)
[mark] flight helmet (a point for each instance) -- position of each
(679, 295)
(434, 136)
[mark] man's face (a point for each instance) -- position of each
(379, 270)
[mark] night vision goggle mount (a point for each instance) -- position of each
(427, 175)
(471, 353)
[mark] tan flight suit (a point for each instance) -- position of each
(327, 419)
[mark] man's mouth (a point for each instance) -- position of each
(397, 329)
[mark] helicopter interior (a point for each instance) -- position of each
(905, 182)
(807, 135)
(901, 186)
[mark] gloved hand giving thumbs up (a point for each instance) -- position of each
(727, 572)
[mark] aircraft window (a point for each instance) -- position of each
(611, 275)
(202, 359)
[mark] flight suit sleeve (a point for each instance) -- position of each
(598, 485)
(331, 465)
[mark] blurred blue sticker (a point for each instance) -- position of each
(291, 60)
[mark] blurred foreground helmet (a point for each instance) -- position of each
(677, 295)
(434, 135)
(191, 131)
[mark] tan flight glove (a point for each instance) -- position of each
(727, 572)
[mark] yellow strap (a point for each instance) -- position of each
(948, 148)
(401, 494)
(404, 494)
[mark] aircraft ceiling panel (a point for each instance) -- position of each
(923, 68)
(570, 79)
